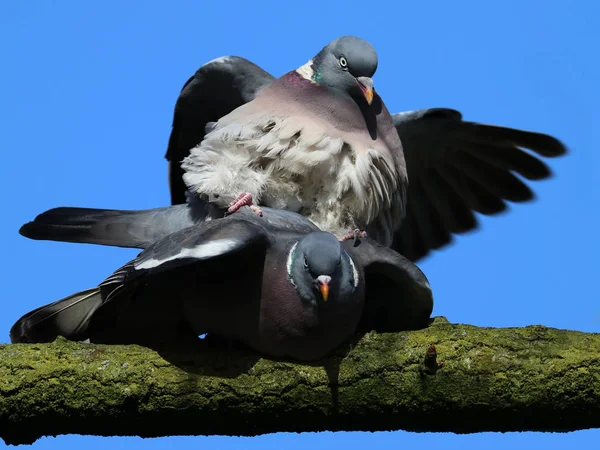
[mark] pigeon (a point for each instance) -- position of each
(275, 283)
(455, 167)
(318, 140)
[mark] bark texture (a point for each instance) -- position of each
(492, 379)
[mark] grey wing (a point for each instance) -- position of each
(102, 313)
(118, 228)
(142, 296)
(456, 168)
(398, 295)
(216, 89)
(142, 228)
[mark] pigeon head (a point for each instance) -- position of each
(320, 269)
(345, 66)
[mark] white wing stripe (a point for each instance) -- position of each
(202, 251)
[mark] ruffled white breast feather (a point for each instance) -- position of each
(285, 165)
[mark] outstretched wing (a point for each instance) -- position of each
(456, 168)
(397, 296)
(216, 89)
(119, 228)
(97, 312)
(142, 228)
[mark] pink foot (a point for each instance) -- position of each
(244, 199)
(353, 234)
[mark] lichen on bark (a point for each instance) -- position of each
(492, 379)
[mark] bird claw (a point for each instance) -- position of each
(244, 199)
(355, 234)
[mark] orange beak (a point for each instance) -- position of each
(368, 93)
(325, 291)
(323, 281)
(366, 86)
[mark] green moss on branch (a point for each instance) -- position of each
(492, 379)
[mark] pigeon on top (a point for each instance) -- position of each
(276, 283)
(317, 140)
(455, 167)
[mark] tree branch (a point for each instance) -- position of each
(492, 379)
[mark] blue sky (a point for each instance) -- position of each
(86, 97)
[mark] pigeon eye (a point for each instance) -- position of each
(305, 263)
(343, 62)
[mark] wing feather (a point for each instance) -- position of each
(456, 168)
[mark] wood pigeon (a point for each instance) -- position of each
(319, 141)
(276, 283)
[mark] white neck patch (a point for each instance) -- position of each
(290, 261)
(306, 71)
(354, 273)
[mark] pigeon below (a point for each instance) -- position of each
(276, 283)
(456, 167)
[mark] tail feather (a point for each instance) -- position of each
(68, 317)
(117, 228)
